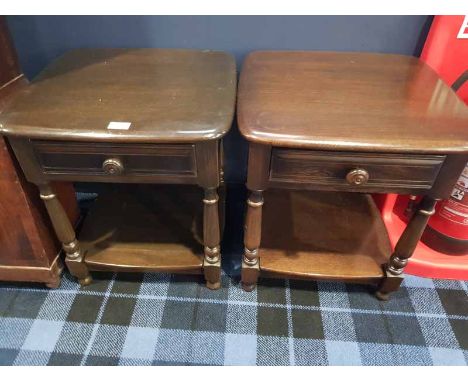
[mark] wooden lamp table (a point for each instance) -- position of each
(153, 118)
(325, 130)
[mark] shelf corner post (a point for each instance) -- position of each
(66, 234)
(405, 247)
(257, 182)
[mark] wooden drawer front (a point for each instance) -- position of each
(329, 170)
(68, 160)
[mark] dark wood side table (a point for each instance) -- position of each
(342, 125)
(139, 116)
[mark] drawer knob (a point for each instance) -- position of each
(113, 166)
(357, 177)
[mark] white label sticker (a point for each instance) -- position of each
(463, 32)
(119, 125)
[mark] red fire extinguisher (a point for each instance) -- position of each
(447, 231)
(446, 50)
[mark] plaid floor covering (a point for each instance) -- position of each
(157, 319)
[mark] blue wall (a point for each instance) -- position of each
(39, 39)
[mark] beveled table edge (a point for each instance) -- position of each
(311, 143)
(42, 132)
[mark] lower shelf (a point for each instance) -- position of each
(145, 228)
(322, 235)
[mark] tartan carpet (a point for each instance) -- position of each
(161, 319)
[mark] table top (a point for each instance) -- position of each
(349, 101)
(166, 95)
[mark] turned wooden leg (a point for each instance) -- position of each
(211, 239)
(252, 237)
(222, 203)
(405, 248)
(66, 234)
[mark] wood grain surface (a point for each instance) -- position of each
(167, 96)
(349, 101)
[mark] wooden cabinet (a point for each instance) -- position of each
(28, 248)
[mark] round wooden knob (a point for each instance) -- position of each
(357, 177)
(113, 166)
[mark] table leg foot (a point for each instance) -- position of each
(213, 286)
(85, 281)
(212, 272)
(248, 287)
(249, 276)
(390, 283)
(382, 296)
(78, 268)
